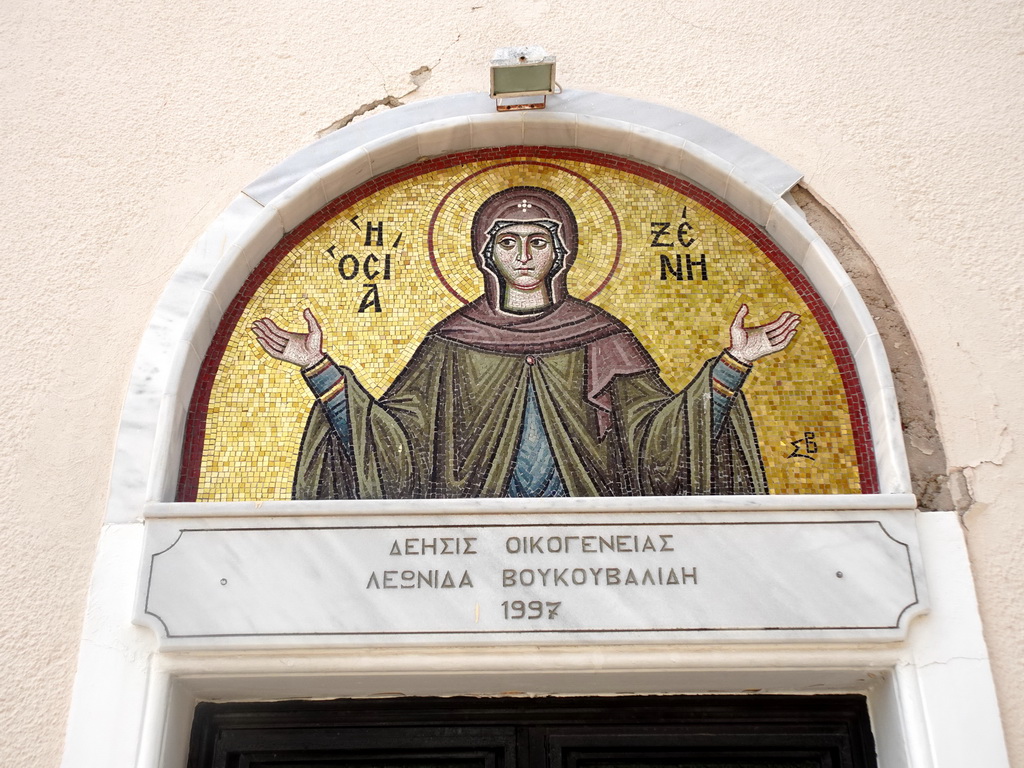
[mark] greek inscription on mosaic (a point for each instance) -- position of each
(680, 266)
(368, 266)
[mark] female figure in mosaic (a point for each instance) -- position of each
(528, 392)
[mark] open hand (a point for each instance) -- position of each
(303, 349)
(750, 344)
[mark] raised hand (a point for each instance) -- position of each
(750, 344)
(303, 349)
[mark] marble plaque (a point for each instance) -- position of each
(597, 580)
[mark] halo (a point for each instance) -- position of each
(454, 265)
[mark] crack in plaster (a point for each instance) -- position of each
(128, 651)
(418, 77)
(939, 662)
(964, 479)
(387, 101)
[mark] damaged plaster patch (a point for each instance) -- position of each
(420, 76)
(963, 482)
(417, 77)
(960, 489)
(936, 485)
(929, 473)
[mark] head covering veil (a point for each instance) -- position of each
(522, 205)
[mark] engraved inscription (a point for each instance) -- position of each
(479, 578)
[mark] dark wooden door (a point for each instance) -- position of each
(612, 732)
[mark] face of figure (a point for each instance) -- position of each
(524, 255)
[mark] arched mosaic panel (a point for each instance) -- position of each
(525, 322)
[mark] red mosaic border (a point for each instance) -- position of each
(195, 425)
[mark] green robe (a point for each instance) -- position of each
(449, 427)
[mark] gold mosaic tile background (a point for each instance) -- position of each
(258, 406)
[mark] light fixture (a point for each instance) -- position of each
(519, 75)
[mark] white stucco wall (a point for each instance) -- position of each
(127, 128)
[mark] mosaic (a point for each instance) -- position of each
(525, 322)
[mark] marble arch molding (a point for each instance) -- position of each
(745, 178)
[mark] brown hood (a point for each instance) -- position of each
(519, 205)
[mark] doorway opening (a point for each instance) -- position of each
(611, 732)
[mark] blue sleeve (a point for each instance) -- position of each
(727, 376)
(327, 383)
